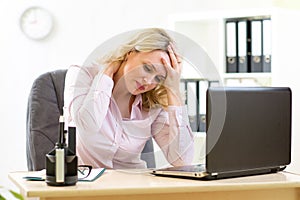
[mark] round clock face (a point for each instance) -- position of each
(36, 23)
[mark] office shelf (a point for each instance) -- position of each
(208, 30)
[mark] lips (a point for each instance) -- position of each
(140, 86)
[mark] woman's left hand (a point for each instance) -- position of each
(172, 81)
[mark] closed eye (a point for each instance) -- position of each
(159, 78)
(147, 68)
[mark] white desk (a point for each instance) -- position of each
(116, 185)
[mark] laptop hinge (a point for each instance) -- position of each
(214, 174)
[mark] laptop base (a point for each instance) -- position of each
(175, 172)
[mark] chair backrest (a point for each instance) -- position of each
(45, 105)
(43, 112)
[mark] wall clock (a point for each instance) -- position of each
(36, 23)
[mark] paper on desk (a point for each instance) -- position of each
(41, 175)
(36, 176)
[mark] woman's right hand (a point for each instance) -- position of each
(111, 69)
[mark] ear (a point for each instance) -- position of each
(130, 54)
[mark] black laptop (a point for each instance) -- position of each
(248, 132)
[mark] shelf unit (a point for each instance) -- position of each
(207, 29)
(285, 53)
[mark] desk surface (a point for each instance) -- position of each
(122, 184)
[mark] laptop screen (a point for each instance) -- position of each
(248, 128)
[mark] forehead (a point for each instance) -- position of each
(154, 58)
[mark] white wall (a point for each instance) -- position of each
(286, 71)
(80, 26)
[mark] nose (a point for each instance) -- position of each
(146, 80)
(149, 80)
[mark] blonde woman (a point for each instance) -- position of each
(133, 98)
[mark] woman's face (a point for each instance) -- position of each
(144, 70)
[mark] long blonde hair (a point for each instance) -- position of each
(146, 40)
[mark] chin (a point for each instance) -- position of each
(136, 92)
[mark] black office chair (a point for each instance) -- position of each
(45, 104)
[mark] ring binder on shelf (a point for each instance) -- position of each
(231, 47)
(242, 47)
(195, 99)
(267, 41)
(248, 44)
(256, 46)
(203, 85)
(192, 103)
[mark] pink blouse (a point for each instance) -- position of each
(105, 139)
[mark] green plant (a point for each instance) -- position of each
(6, 194)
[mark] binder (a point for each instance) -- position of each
(203, 86)
(231, 45)
(192, 103)
(267, 41)
(195, 99)
(242, 47)
(256, 46)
